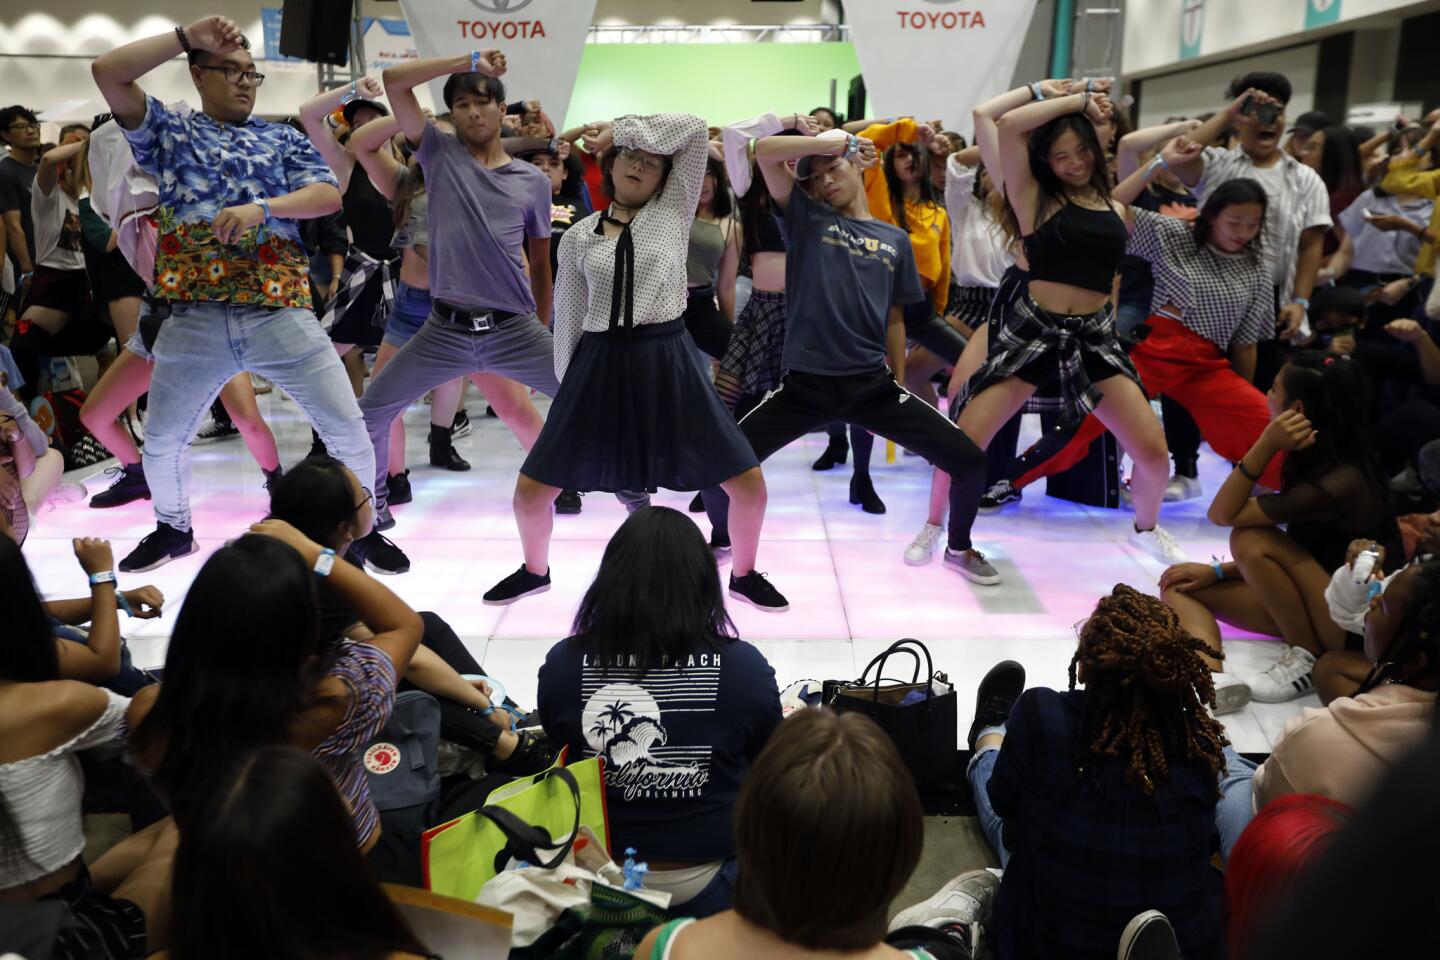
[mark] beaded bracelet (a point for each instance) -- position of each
(184, 41)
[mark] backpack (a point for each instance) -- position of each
(401, 761)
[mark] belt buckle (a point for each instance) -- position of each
(480, 322)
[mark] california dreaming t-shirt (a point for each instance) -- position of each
(676, 739)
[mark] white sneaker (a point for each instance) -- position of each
(922, 549)
(966, 899)
(1231, 694)
(1183, 488)
(1289, 678)
(1159, 544)
(67, 491)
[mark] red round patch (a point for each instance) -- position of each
(382, 758)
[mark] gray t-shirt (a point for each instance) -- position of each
(842, 276)
(479, 221)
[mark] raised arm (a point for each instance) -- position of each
(115, 72)
(1208, 132)
(1132, 145)
(772, 153)
(402, 79)
(313, 112)
(682, 136)
(988, 114)
(1176, 153)
(371, 146)
(735, 140)
(1014, 129)
(47, 174)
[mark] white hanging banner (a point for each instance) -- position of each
(542, 41)
(933, 59)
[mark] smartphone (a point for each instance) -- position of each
(1264, 113)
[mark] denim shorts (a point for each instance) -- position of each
(407, 315)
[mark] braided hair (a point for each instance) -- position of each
(1419, 631)
(1146, 688)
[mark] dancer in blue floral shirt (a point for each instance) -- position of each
(229, 266)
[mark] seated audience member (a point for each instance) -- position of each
(29, 469)
(1101, 801)
(1344, 750)
(830, 792)
(656, 682)
(246, 667)
(268, 868)
(1282, 844)
(1332, 493)
(1337, 315)
(45, 721)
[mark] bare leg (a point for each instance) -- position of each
(1339, 674)
(43, 480)
(1127, 414)
(939, 497)
(1290, 584)
(920, 366)
(534, 504)
(970, 361)
(747, 516)
(397, 426)
(512, 405)
(148, 884)
(1233, 601)
(445, 403)
(127, 378)
(354, 360)
(238, 398)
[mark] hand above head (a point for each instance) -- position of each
(1180, 150)
(491, 63)
(369, 88)
(216, 34)
(562, 150)
(806, 124)
(94, 555)
(865, 156)
(1255, 98)
(1099, 109)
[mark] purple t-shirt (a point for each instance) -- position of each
(479, 221)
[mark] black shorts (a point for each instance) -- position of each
(65, 290)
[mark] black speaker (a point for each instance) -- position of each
(316, 30)
(855, 104)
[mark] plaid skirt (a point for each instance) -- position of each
(757, 343)
(970, 304)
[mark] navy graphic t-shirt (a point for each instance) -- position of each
(676, 739)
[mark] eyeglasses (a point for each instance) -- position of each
(235, 74)
(369, 499)
(644, 161)
(24, 125)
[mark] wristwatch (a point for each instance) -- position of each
(325, 562)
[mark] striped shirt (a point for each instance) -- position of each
(370, 677)
(1226, 298)
(1298, 201)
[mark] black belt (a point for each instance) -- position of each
(471, 321)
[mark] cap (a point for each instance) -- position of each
(350, 108)
(1310, 121)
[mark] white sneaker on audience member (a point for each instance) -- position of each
(1159, 544)
(965, 900)
(1183, 488)
(1231, 694)
(1290, 677)
(922, 549)
(1149, 937)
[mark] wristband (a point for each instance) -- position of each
(122, 603)
(325, 562)
(1246, 473)
(184, 41)
(1036, 91)
(1155, 164)
(1304, 304)
(350, 94)
(104, 576)
(474, 61)
(264, 203)
(1218, 568)
(26, 275)
(1085, 103)
(554, 147)
(852, 146)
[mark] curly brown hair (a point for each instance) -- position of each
(1146, 689)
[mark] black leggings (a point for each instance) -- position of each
(78, 338)
(707, 325)
(1182, 436)
(862, 444)
(924, 327)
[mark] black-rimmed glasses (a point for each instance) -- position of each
(235, 74)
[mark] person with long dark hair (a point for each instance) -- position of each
(1101, 801)
(269, 868)
(655, 680)
(1332, 491)
(45, 721)
(247, 667)
(712, 264)
(1346, 749)
(1074, 234)
(636, 409)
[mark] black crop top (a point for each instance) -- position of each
(1078, 246)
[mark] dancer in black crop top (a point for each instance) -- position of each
(1063, 329)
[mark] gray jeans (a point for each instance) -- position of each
(520, 349)
(205, 343)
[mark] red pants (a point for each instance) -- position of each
(1182, 365)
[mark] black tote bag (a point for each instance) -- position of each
(918, 715)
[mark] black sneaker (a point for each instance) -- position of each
(568, 502)
(442, 451)
(490, 412)
(1149, 936)
(380, 555)
(834, 455)
(159, 548)
(216, 430)
(128, 487)
(520, 584)
(535, 752)
(995, 697)
(1001, 494)
(757, 591)
(398, 485)
(460, 426)
(863, 495)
